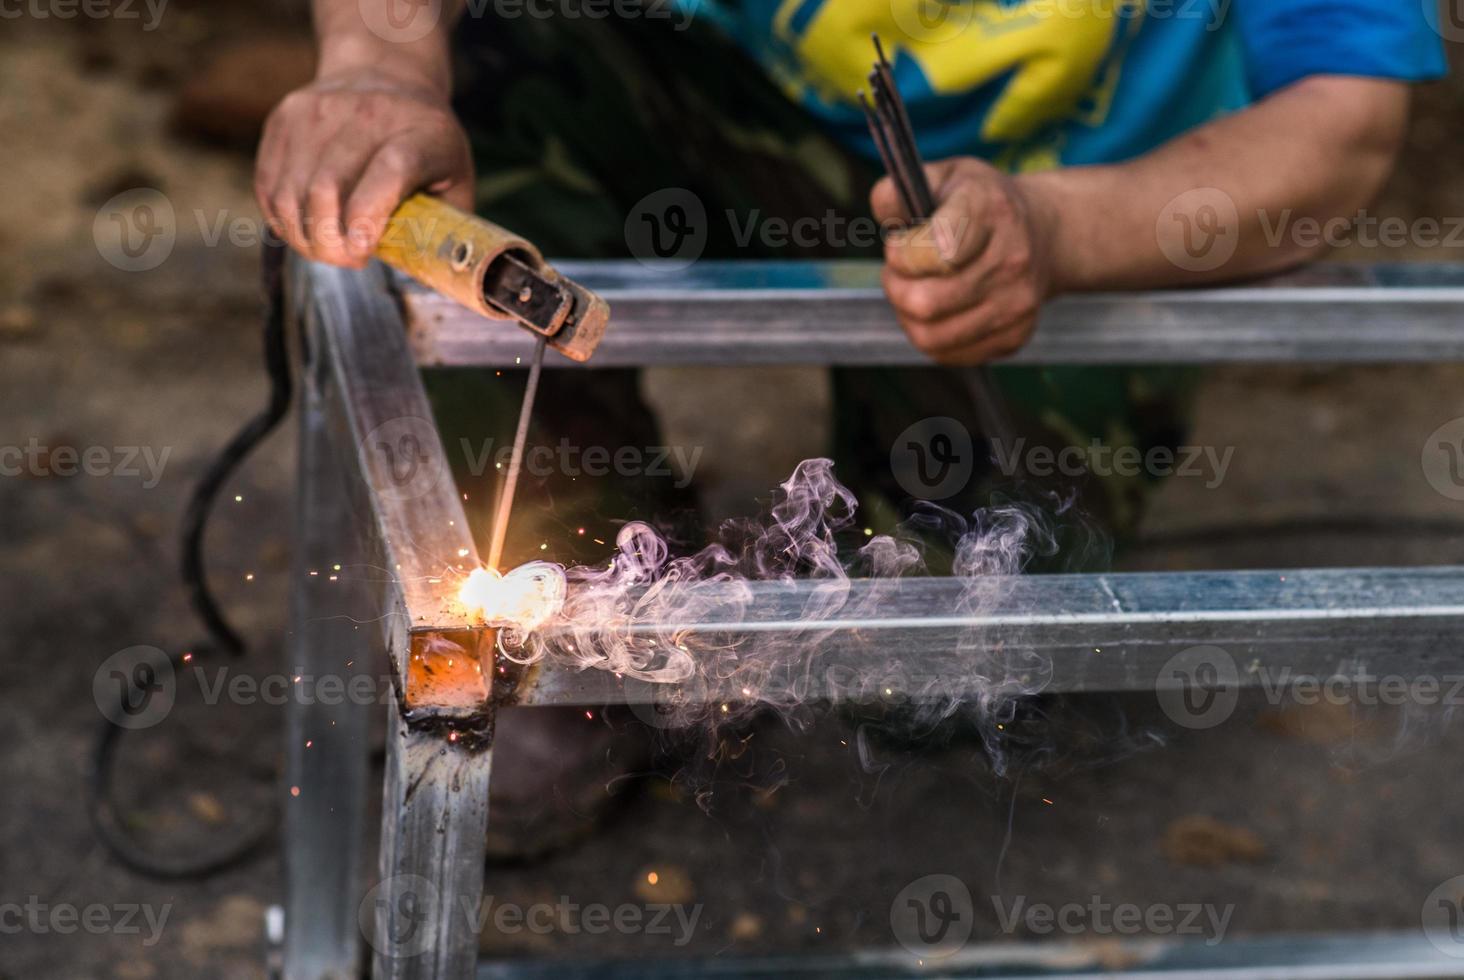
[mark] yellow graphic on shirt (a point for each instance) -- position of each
(1054, 51)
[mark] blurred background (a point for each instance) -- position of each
(1309, 819)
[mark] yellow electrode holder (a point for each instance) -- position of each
(492, 271)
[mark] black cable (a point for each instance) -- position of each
(195, 519)
(118, 841)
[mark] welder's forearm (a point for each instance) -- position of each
(347, 43)
(1319, 149)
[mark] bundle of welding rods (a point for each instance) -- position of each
(894, 138)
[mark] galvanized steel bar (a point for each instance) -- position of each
(1378, 956)
(834, 313)
(396, 498)
(940, 637)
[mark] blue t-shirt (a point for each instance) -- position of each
(1033, 84)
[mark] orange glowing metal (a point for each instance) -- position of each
(524, 599)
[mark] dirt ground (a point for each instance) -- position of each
(1311, 819)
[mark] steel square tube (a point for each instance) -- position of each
(368, 419)
(403, 535)
(834, 313)
(938, 637)
(1377, 956)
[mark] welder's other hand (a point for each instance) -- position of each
(340, 154)
(967, 285)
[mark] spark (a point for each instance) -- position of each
(523, 599)
(652, 878)
(462, 552)
(187, 657)
(1047, 801)
(294, 791)
(238, 498)
(335, 568)
(249, 576)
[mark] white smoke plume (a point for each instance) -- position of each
(629, 615)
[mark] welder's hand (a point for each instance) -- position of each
(967, 285)
(340, 154)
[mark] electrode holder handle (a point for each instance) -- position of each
(494, 272)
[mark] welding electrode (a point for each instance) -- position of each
(494, 272)
(894, 138)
